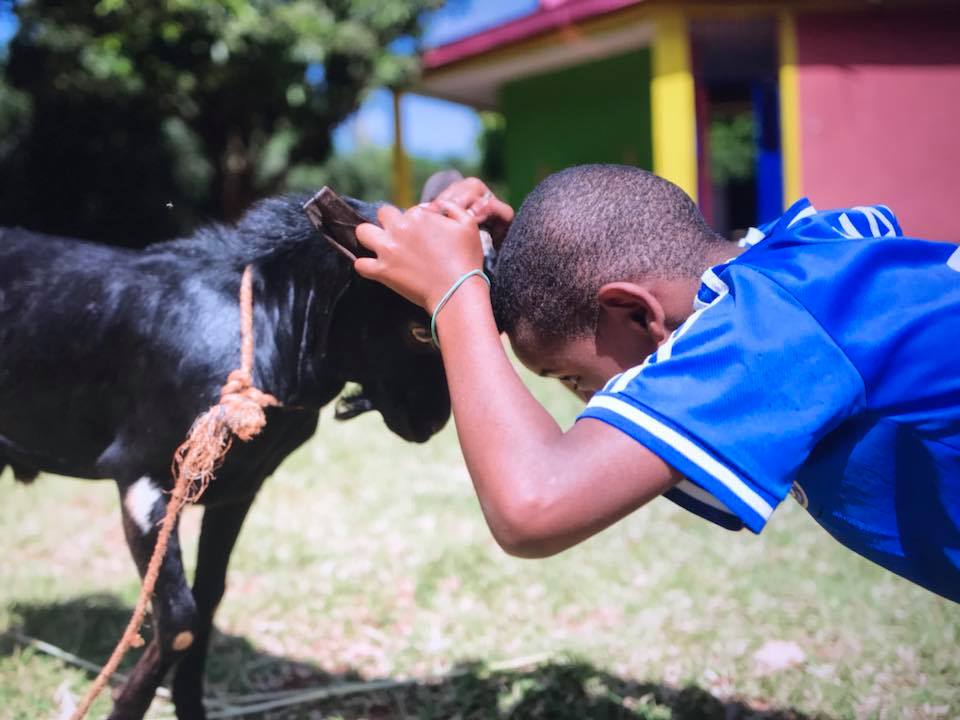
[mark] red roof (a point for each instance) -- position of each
(552, 14)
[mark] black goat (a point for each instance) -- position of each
(108, 355)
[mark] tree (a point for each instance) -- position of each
(367, 172)
(492, 145)
(135, 119)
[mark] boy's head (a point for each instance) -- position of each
(594, 245)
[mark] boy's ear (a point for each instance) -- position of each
(633, 306)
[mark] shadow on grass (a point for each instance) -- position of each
(557, 690)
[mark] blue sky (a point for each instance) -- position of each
(432, 128)
(8, 26)
(465, 17)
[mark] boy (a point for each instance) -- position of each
(818, 362)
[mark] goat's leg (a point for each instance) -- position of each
(174, 611)
(221, 526)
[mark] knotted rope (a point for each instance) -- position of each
(239, 413)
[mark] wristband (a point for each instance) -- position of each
(446, 297)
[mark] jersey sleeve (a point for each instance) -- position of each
(736, 399)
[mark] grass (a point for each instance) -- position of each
(367, 558)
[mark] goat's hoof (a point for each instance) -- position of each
(182, 641)
(120, 712)
(190, 711)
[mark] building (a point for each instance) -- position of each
(844, 101)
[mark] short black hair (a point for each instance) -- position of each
(587, 226)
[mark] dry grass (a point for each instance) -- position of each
(377, 564)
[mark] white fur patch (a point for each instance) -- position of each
(139, 502)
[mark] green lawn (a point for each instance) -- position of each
(376, 564)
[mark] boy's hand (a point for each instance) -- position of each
(475, 197)
(421, 253)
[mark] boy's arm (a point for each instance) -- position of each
(541, 490)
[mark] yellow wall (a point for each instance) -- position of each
(789, 111)
(673, 102)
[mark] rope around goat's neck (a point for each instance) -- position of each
(240, 412)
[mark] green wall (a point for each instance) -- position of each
(596, 112)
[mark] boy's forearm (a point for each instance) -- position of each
(541, 490)
(504, 432)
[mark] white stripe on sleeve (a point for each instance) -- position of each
(848, 230)
(690, 450)
(713, 281)
(753, 236)
(874, 228)
(805, 213)
(953, 262)
(873, 214)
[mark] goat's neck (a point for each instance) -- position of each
(298, 310)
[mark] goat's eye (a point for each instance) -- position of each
(421, 334)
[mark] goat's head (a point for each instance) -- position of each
(386, 338)
(393, 361)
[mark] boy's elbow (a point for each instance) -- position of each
(520, 530)
(528, 549)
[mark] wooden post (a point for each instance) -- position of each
(402, 182)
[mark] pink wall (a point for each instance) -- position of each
(880, 114)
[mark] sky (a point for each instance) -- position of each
(8, 25)
(431, 127)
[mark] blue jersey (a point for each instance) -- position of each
(820, 363)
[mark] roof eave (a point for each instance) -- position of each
(476, 80)
(523, 28)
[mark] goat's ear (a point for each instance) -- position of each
(438, 182)
(336, 221)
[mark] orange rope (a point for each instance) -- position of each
(240, 412)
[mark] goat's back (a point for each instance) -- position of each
(98, 341)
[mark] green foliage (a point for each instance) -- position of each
(14, 116)
(732, 148)
(492, 142)
(366, 173)
(149, 116)
(368, 558)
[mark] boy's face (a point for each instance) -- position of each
(633, 319)
(585, 364)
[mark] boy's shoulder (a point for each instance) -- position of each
(825, 257)
(889, 303)
(802, 221)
